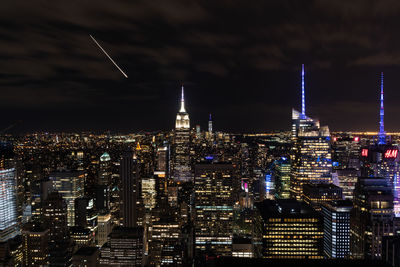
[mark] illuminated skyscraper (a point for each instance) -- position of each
(317, 194)
(282, 178)
(291, 230)
(70, 184)
(8, 205)
(129, 174)
(213, 189)
(337, 228)
(371, 217)
(382, 159)
(311, 156)
(181, 161)
(123, 248)
(35, 242)
(103, 186)
(54, 217)
(210, 128)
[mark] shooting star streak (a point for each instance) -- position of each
(104, 51)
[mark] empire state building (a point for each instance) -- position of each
(181, 163)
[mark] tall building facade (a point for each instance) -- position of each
(54, 218)
(282, 178)
(214, 200)
(70, 184)
(181, 159)
(129, 173)
(382, 159)
(337, 228)
(290, 230)
(103, 186)
(8, 205)
(311, 156)
(371, 217)
(35, 243)
(123, 248)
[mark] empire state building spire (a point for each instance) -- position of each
(182, 101)
(182, 118)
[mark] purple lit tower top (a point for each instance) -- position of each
(382, 134)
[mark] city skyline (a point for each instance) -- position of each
(52, 73)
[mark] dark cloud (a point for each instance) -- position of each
(239, 60)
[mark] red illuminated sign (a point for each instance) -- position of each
(391, 153)
(364, 152)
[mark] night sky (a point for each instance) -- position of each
(239, 60)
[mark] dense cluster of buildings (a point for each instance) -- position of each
(189, 196)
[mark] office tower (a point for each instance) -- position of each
(210, 128)
(337, 228)
(8, 205)
(123, 248)
(242, 247)
(54, 218)
(104, 228)
(149, 193)
(39, 190)
(214, 200)
(181, 171)
(86, 215)
(70, 184)
(291, 230)
(317, 194)
(11, 252)
(382, 159)
(346, 152)
(311, 154)
(282, 178)
(129, 174)
(86, 257)
(346, 179)
(165, 242)
(103, 186)
(35, 240)
(371, 218)
(82, 236)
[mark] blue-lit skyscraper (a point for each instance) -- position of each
(311, 155)
(8, 205)
(382, 159)
(382, 134)
(337, 228)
